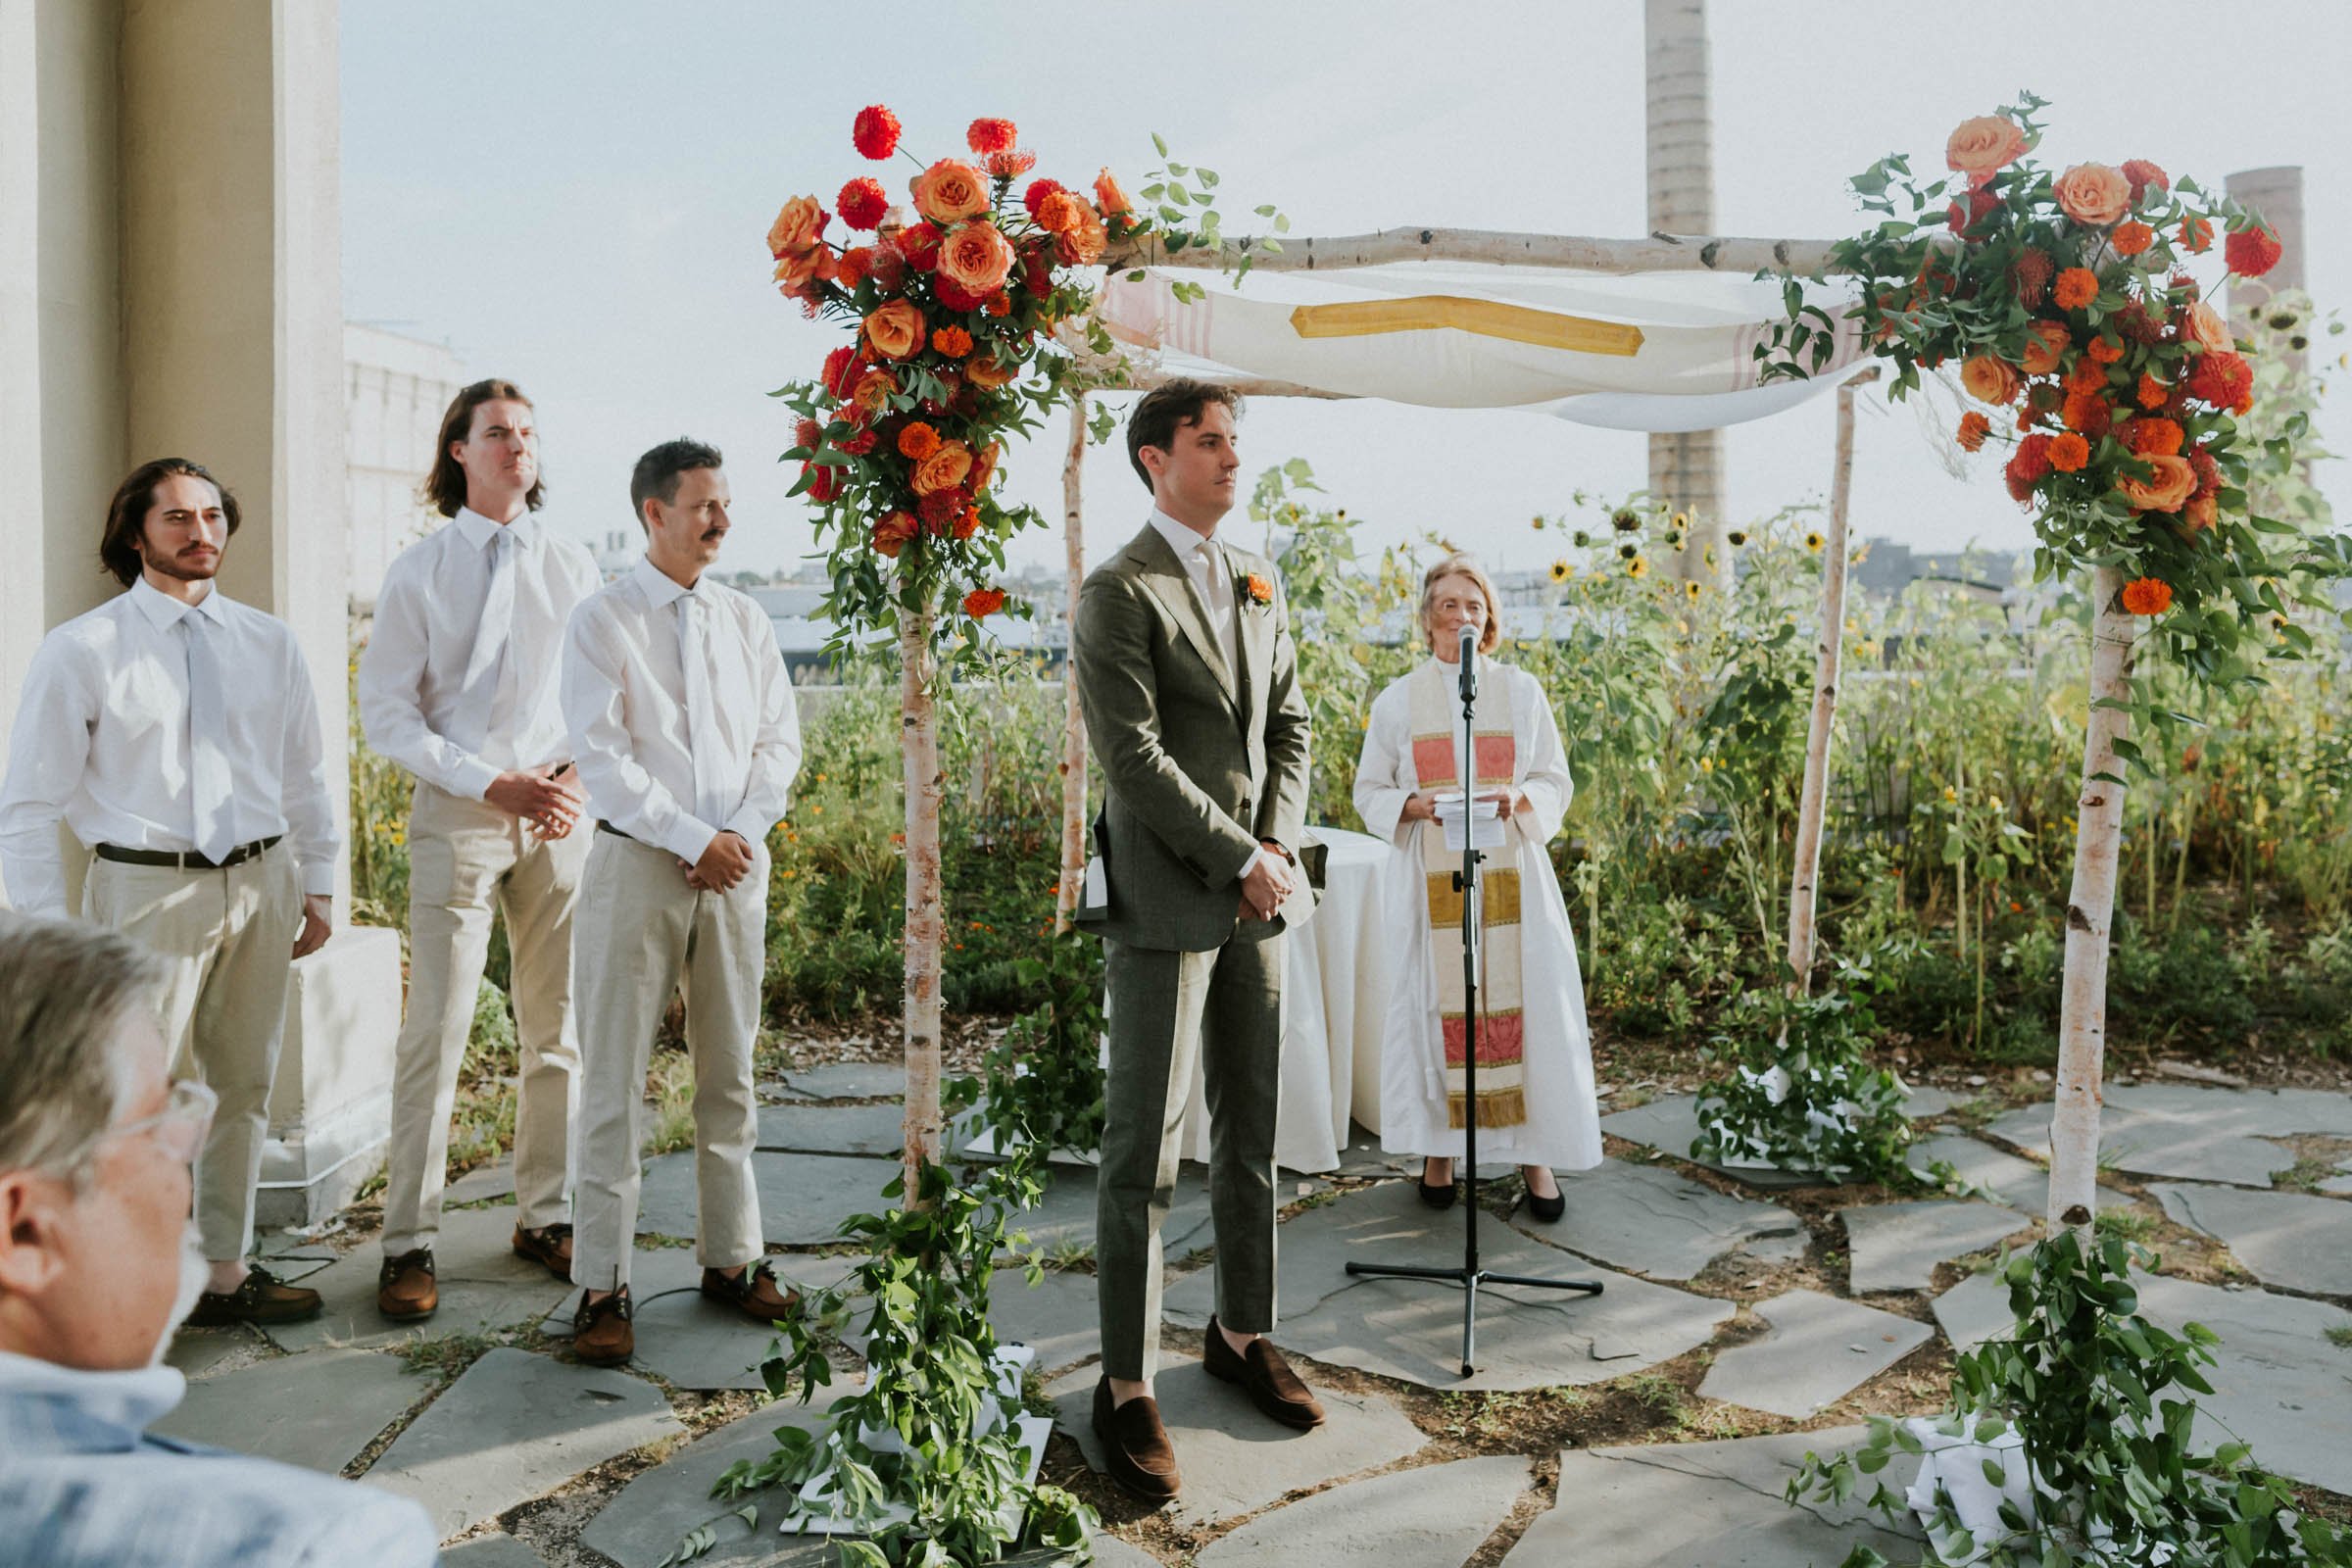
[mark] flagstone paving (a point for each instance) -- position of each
(1817, 1349)
(1653, 1220)
(319, 1411)
(804, 1199)
(2194, 1133)
(2018, 1182)
(1670, 1123)
(2294, 1241)
(1895, 1246)
(483, 1286)
(1057, 1317)
(202, 1353)
(1235, 1460)
(2280, 1384)
(646, 1519)
(1975, 1311)
(849, 1080)
(822, 1129)
(1431, 1517)
(494, 1551)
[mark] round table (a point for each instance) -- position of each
(1335, 1003)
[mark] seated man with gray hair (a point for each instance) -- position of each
(98, 1262)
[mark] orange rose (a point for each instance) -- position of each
(2093, 194)
(800, 227)
(896, 330)
(987, 372)
(2203, 326)
(976, 258)
(1990, 381)
(2147, 596)
(801, 271)
(2046, 342)
(949, 192)
(2202, 513)
(2167, 489)
(1109, 196)
(1980, 146)
(984, 467)
(891, 531)
(871, 395)
(2129, 240)
(917, 441)
(2076, 287)
(944, 468)
(1083, 242)
(2069, 452)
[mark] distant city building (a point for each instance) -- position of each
(395, 390)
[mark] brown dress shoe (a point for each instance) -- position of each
(601, 1331)
(1271, 1383)
(549, 1247)
(264, 1297)
(756, 1293)
(1136, 1451)
(405, 1288)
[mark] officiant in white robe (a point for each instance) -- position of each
(1535, 1068)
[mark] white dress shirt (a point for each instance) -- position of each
(416, 703)
(625, 692)
(102, 740)
(1212, 574)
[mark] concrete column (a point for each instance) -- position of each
(1685, 471)
(2276, 193)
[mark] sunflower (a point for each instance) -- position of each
(1560, 571)
(1675, 540)
(1536, 523)
(1579, 538)
(1629, 550)
(1690, 589)
(1735, 538)
(1813, 542)
(1624, 519)
(1636, 567)
(1682, 521)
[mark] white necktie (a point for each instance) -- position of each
(214, 828)
(702, 724)
(478, 691)
(1216, 587)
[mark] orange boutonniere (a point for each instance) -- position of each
(1259, 591)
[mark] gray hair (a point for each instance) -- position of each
(64, 990)
(1462, 564)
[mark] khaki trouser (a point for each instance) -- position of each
(643, 935)
(228, 938)
(1221, 1009)
(462, 856)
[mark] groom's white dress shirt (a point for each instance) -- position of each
(458, 680)
(107, 738)
(1204, 559)
(675, 748)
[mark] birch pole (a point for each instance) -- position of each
(1812, 804)
(2098, 832)
(1074, 720)
(926, 922)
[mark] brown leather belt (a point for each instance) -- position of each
(185, 859)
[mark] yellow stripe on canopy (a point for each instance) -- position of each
(1519, 323)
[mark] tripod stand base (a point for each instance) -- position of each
(1471, 1280)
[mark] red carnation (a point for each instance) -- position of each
(841, 372)
(2032, 460)
(1981, 204)
(887, 266)
(985, 136)
(826, 483)
(809, 433)
(859, 445)
(2030, 274)
(2134, 321)
(2142, 174)
(863, 201)
(941, 508)
(2220, 379)
(875, 132)
(1037, 191)
(919, 244)
(2252, 252)
(955, 297)
(982, 602)
(1011, 163)
(1037, 270)
(2209, 473)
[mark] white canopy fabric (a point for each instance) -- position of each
(1655, 352)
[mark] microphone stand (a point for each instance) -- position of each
(1470, 1276)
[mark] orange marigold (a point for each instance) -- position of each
(2102, 351)
(982, 602)
(2076, 287)
(2159, 437)
(917, 441)
(2069, 452)
(2196, 233)
(2147, 596)
(1974, 428)
(2088, 413)
(952, 341)
(1000, 305)
(2151, 393)
(2129, 240)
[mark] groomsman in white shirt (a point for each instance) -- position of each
(177, 733)
(458, 685)
(683, 718)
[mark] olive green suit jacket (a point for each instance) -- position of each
(1201, 761)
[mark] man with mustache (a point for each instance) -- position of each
(683, 722)
(458, 685)
(177, 733)
(95, 1140)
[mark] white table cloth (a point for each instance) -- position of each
(1335, 1001)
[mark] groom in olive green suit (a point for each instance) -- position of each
(1189, 679)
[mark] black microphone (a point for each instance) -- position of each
(1469, 663)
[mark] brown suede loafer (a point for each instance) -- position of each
(549, 1247)
(405, 1287)
(1136, 1451)
(1271, 1383)
(264, 1297)
(602, 1333)
(756, 1293)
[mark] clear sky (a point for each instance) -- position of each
(575, 195)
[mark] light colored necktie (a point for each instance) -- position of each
(1216, 587)
(478, 691)
(214, 828)
(702, 723)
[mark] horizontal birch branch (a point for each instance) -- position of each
(1654, 253)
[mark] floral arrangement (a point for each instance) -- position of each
(2065, 303)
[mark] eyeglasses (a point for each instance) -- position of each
(179, 1128)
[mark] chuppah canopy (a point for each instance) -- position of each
(1650, 351)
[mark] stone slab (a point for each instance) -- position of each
(317, 1410)
(849, 1080)
(494, 1551)
(1712, 1504)
(1653, 1220)
(1895, 1246)
(1066, 1216)
(2192, 1133)
(646, 1519)
(1975, 1311)
(2018, 1182)
(2340, 1185)
(1670, 1124)
(690, 1342)
(2279, 1383)
(514, 1426)
(489, 1183)
(1057, 1317)
(483, 1286)
(1926, 1100)
(825, 1129)
(1235, 1461)
(1113, 1553)
(201, 1353)
(1432, 1517)
(1412, 1328)
(804, 1199)
(2252, 1113)
(1817, 1349)
(2295, 1241)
